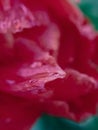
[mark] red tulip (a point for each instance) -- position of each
(47, 62)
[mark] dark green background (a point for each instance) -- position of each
(90, 9)
(52, 123)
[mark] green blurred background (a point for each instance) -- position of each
(52, 123)
(90, 9)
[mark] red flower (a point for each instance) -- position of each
(48, 62)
